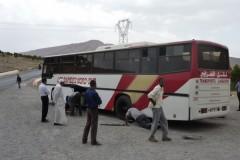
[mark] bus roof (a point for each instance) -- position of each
(134, 45)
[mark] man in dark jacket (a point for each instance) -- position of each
(19, 80)
(92, 100)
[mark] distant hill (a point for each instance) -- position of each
(70, 48)
(234, 61)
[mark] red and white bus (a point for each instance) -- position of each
(196, 74)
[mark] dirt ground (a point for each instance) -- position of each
(23, 137)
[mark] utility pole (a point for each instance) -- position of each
(123, 27)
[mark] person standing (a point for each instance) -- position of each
(44, 92)
(19, 80)
(60, 117)
(156, 101)
(238, 92)
(92, 100)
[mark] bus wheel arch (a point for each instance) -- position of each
(121, 105)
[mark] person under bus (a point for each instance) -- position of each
(142, 120)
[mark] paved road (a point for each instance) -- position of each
(7, 81)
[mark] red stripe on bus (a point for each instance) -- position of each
(123, 84)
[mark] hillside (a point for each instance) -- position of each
(234, 61)
(70, 48)
(9, 63)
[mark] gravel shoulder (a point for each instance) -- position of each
(23, 137)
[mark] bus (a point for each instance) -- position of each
(196, 75)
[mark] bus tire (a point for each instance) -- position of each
(123, 103)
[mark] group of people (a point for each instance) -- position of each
(92, 100)
(158, 120)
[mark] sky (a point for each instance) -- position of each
(32, 24)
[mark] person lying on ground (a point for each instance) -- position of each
(138, 116)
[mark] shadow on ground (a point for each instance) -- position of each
(196, 126)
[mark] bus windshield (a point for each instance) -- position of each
(213, 57)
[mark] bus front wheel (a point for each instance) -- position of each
(123, 103)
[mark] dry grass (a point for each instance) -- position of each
(9, 63)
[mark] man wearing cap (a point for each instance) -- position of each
(58, 98)
(92, 100)
(44, 92)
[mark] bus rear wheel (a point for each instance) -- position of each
(123, 103)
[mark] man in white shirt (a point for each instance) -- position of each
(139, 117)
(156, 101)
(44, 92)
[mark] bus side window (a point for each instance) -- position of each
(163, 60)
(83, 63)
(174, 58)
(149, 61)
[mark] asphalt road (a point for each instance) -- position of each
(7, 81)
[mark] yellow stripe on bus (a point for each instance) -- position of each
(141, 82)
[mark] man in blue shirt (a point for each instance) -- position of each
(238, 92)
(92, 100)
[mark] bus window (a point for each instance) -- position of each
(49, 70)
(68, 64)
(103, 62)
(51, 60)
(128, 61)
(50, 66)
(83, 63)
(149, 60)
(212, 57)
(68, 59)
(176, 58)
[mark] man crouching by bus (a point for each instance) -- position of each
(92, 100)
(156, 101)
(138, 116)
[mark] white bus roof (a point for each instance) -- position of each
(109, 48)
(130, 45)
(121, 46)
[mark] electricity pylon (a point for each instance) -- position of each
(123, 27)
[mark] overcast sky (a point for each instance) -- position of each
(34, 24)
